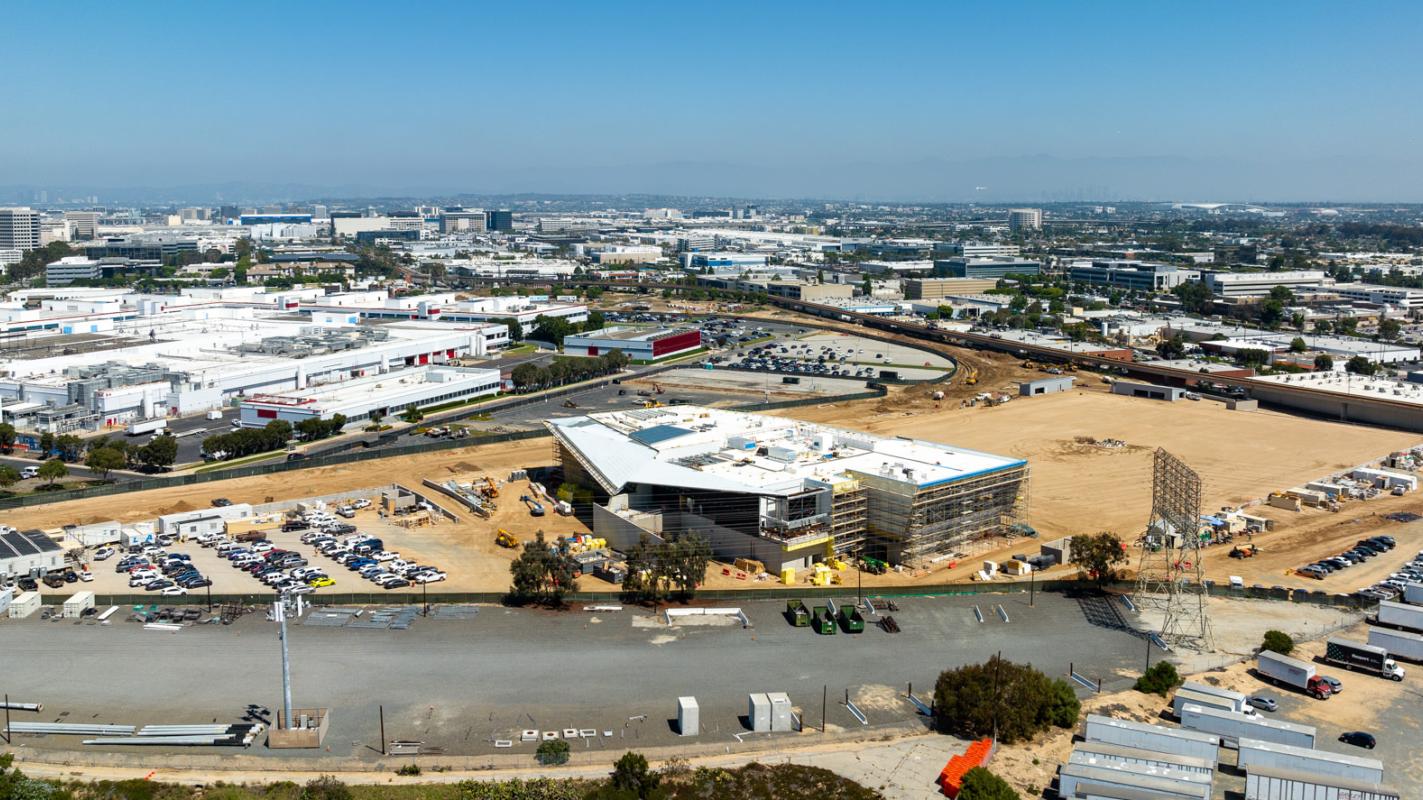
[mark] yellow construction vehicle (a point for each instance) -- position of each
(651, 404)
(506, 539)
(970, 376)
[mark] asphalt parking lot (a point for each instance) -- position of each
(461, 684)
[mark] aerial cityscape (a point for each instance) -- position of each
(538, 402)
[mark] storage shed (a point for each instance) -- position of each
(77, 604)
(1046, 386)
(24, 605)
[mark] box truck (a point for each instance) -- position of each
(1291, 672)
(146, 426)
(1362, 658)
(1401, 615)
(1232, 727)
(1399, 644)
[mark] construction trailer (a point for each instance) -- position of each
(1255, 754)
(24, 605)
(1143, 736)
(1271, 783)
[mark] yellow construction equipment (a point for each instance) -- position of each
(505, 539)
(970, 375)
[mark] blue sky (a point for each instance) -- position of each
(931, 100)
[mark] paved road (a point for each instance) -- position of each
(459, 684)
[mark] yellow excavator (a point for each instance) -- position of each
(506, 539)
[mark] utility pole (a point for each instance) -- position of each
(1032, 585)
(7, 719)
(281, 614)
(824, 698)
(382, 731)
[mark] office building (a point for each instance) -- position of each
(10, 257)
(993, 267)
(1397, 296)
(1257, 284)
(455, 220)
(274, 219)
(1022, 220)
(939, 288)
(810, 292)
(501, 221)
(976, 249)
(782, 491)
(1137, 276)
(723, 262)
(69, 269)
(150, 248)
(82, 224)
(19, 229)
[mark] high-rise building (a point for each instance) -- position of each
(318, 211)
(19, 229)
(82, 224)
(1025, 219)
(501, 220)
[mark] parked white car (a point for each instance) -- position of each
(174, 591)
(104, 553)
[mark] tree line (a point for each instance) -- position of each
(248, 441)
(659, 570)
(529, 376)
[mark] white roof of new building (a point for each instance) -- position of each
(719, 450)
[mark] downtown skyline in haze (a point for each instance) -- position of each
(945, 102)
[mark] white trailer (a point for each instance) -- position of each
(1093, 753)
(1160, 783)
(1399, 644)
(1231, 727)
(1401, 615)
(1255, 754)
(146, 426)
(1141, 735)
(1237, 700)
(77, 604)
(1185, 697)
(99, 533)
(1413, 593)
(1267, 783)
(24, 605)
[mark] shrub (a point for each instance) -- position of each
(408, 769)
(553, 752)
(980, 784)
(1278, 642)
(1160, 678)
(1020, 699)
(325, 787)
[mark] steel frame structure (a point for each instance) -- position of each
(1170, 577)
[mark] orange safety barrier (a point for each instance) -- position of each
(950, 780)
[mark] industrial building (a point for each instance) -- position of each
(782, 491)
(638, 344)
(1149, 391)
(1046, 386)
(385, 395)
(28, 553)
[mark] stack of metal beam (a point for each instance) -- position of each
(216, 735)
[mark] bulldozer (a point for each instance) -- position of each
(505, 539)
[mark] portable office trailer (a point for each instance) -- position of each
(1090, 753)
(1266, 783)
(1140, 735)
(1399, 644)
(1165, 782)
(1255, 754)
(688, 716)
(758, 712)
(24, 605)
(781, 720)
(94, 535)
(77, 604)
(1231, 727)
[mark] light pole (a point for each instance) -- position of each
(280, 610)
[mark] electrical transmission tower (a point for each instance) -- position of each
(1169, 578)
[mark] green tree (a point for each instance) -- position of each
(47, 444)
(9, 476)
(1015, 699)
(1323, 327)
(1324, 362)
(1063, 707)
(553, 752)
(69, 446)
(159, 452)
(1175, 347)
(1278, 642)
(1360, 365)
(632, 776)
(326, 787)
(52, 470)
(1390, 329)
(542, 574)
(1160, 679)
(980, 784)
(1194, 296)
(412, 415)
(104, 460)
(1097, 555)
(7, 437)
(1298, 345)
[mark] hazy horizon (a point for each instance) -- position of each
(905, 102)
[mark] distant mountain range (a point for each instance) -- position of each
(989, 180)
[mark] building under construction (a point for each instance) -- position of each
(781, 491)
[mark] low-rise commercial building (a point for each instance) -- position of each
(639, 344)
(1397, 296)
(1138, 276)
(810, 292)
(1256, 284)
(938, 288)
(389, 394)
(991, 267)
(29, 553)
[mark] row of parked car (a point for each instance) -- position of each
(1362, 551)
(802, 360)
(367, 557)
(285, 571)
(156, 570)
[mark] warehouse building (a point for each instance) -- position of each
(639, 344)
(28, 553)
(388, 395)
(1149, 391)
(782, 491)
(1045, 386)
